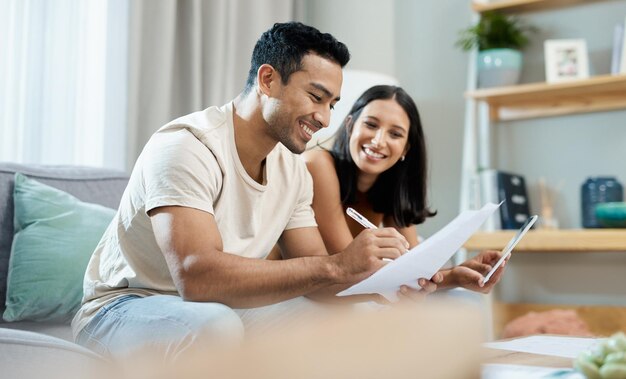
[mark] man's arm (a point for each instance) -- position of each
(292, 248)
(202, 271)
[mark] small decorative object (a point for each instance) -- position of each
(595, 191)
(619, 49)
(607, 360)
(611, 215)
(618, 46)
(499, 39)
(566, 59)
(547, 220)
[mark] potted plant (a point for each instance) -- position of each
(499, 39)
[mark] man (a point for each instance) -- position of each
(182, 262)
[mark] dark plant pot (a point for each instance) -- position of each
(499, 67)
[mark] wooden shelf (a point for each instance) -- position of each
(511, 6)
(524, 101)
(573, 240)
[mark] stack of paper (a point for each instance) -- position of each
(559, 346)
(501, 371)
(566, 347)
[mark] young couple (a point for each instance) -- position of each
(183, 264)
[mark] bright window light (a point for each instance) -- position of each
(54, 59)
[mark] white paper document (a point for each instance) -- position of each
(566, 347)
(424, 260)
(503, 371)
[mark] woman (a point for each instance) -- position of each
(377, 166)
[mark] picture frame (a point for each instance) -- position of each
(566, 59)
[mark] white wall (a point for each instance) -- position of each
(434, 72)
(365, 26)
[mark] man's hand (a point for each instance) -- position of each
(366, 252)
(471, 273)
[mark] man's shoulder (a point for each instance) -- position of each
(209, 120)
(196, 131)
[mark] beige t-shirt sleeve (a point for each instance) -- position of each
(184, 173)
(303, 215)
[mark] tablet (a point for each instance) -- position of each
(512, 243)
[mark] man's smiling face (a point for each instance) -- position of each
(302, 106)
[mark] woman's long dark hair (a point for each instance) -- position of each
(401, 190)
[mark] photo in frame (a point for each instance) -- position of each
(566, 59)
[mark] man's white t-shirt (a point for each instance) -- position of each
(193, 162)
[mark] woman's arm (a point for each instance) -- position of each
(331, 221)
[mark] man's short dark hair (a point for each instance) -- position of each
(284, 45)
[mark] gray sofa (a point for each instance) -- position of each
(22, 341)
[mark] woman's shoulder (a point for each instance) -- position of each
(319, 158)
(321, 166)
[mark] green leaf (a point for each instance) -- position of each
(495, 31)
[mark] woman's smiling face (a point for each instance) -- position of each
(379, 136)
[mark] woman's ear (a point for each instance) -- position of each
(406, 149)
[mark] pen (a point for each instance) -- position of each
(360, 219)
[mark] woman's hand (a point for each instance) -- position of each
(407, 293)
(471, 273)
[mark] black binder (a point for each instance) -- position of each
(515, 209)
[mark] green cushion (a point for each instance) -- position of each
(55, 235)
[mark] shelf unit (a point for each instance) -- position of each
(600, 93)
(574, 240)
(535, 100)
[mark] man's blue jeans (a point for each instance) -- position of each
(171, 325)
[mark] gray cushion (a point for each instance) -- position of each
(32, 355)
(94, 185)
